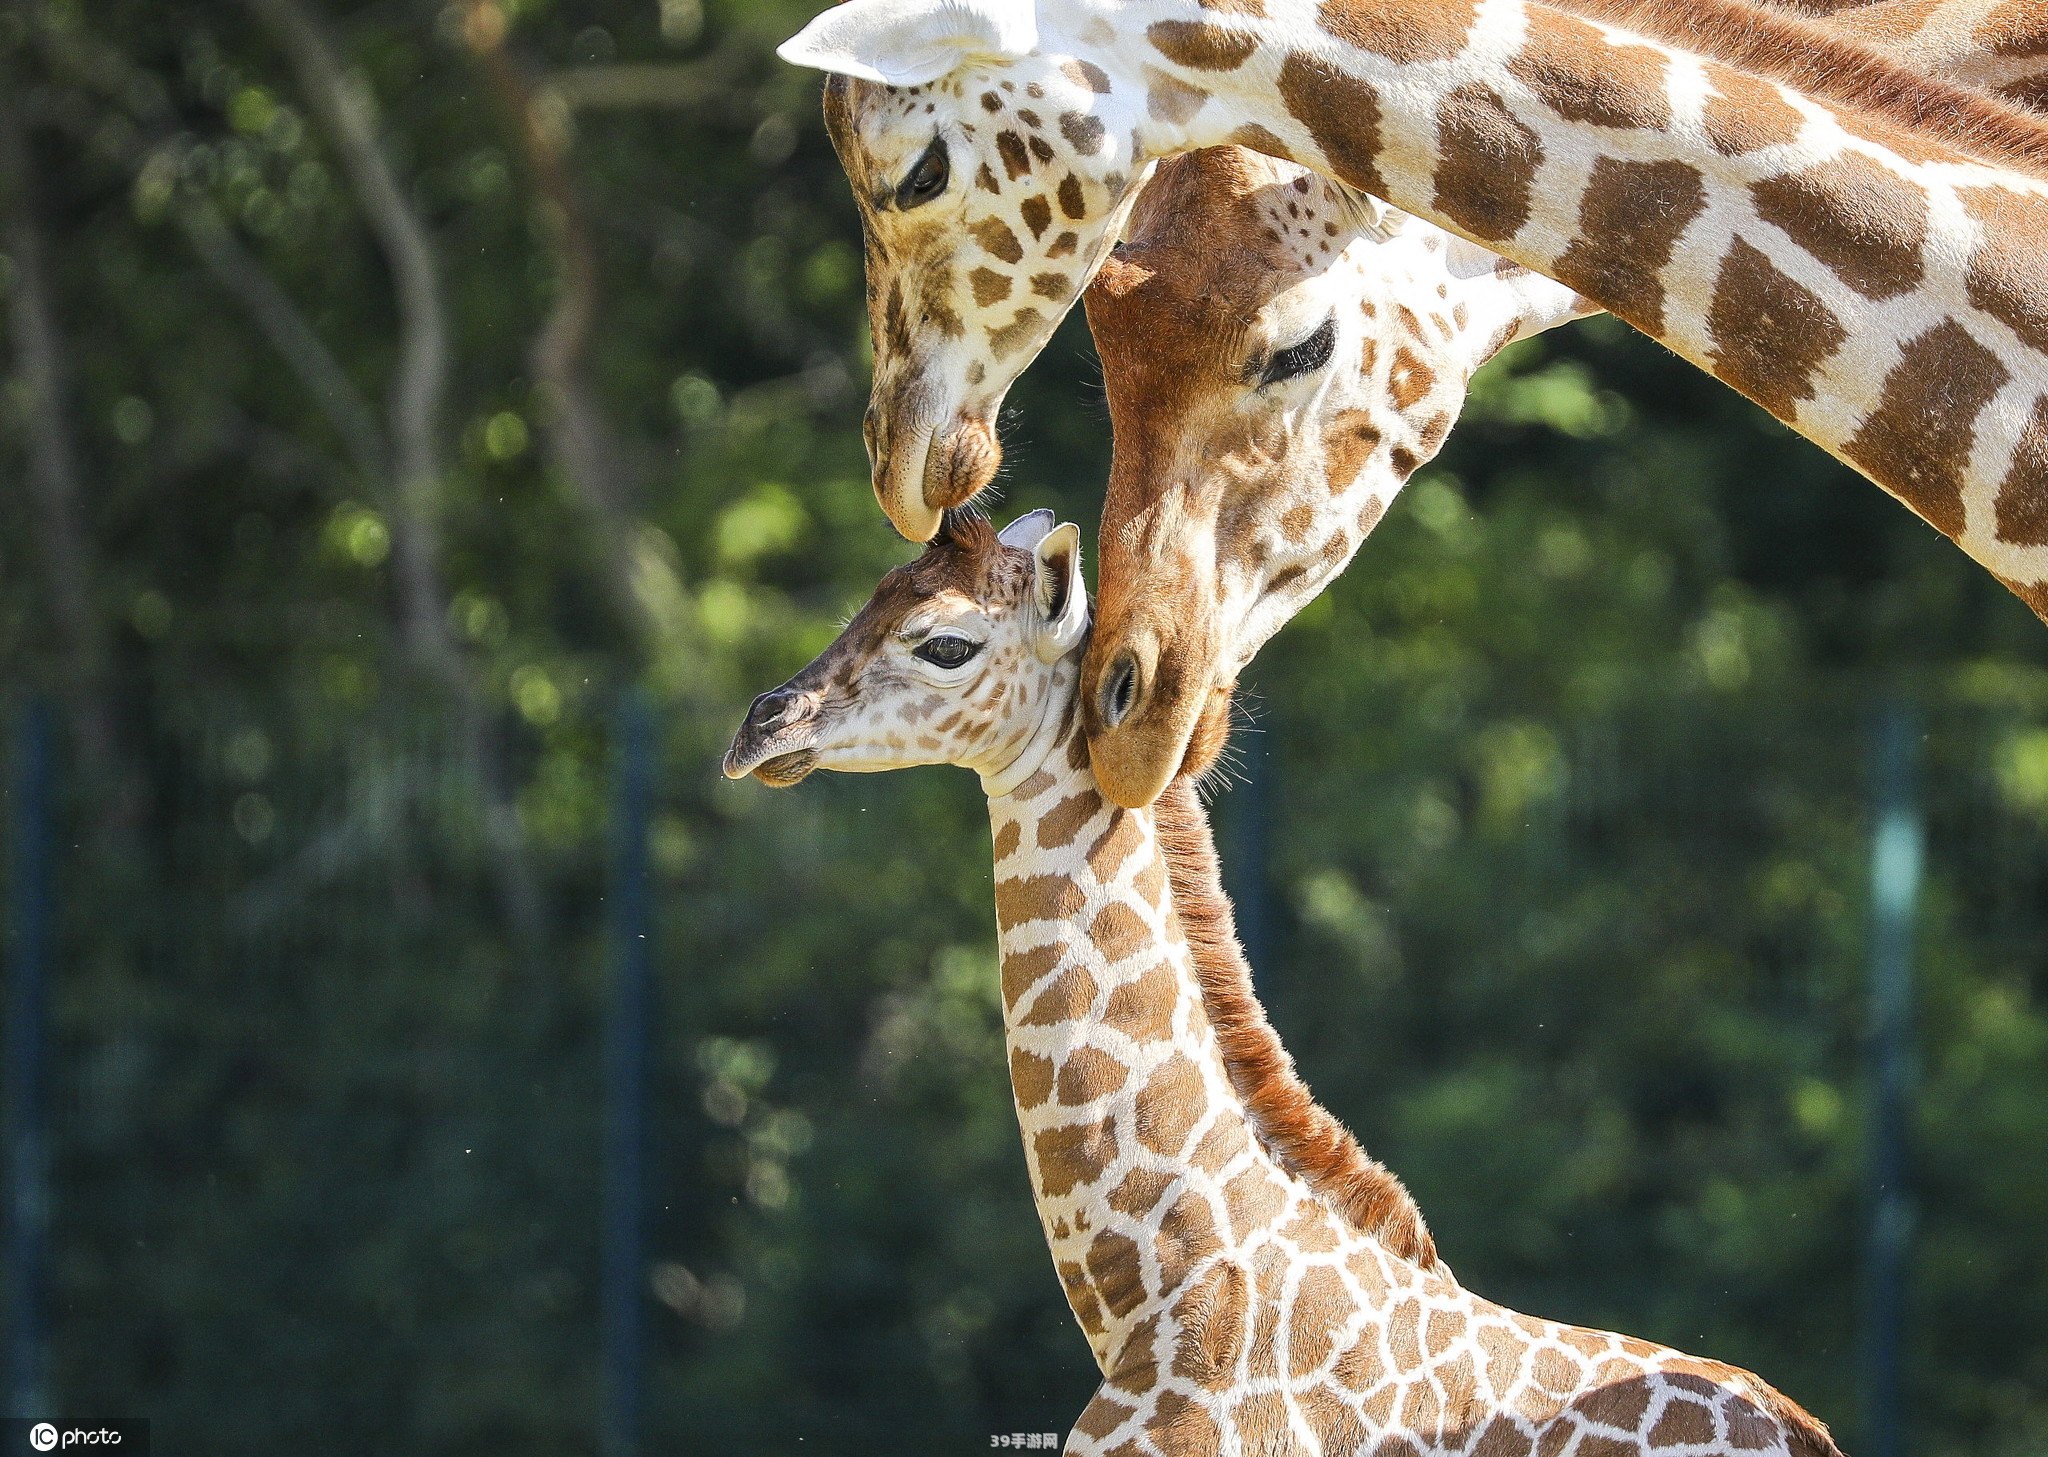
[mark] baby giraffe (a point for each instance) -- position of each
(1249, 1281)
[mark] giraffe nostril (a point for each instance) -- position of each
(1119, 692)
(771, 709)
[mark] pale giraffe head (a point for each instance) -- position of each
(964, 656)
(991, 178)
(1280, 353)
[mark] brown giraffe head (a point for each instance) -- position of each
(958, 658)
(991, 178)
(1280, 354)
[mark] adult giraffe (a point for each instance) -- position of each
(1247, 473)
(1248, 1280)
(1856, 248)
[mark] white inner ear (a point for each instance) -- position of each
(913, 42)
(1062, 593)
(1027, 530)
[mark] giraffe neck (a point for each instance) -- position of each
(1153, 1141)
(1867, 281)
(1228, 1304)
(1987, 45)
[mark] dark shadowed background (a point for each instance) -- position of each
(427, 425)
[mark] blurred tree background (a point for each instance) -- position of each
(392, 384)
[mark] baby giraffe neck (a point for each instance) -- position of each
(1164, 1126)
(1247, 1279)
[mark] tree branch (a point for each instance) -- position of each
(419, 385)
(238, 272)
(642, 583)
(418, 393)
(278, 319)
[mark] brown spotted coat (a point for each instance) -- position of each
(1237, 1296)
(1857, 248)
(1248, 1280)
(1232, 503)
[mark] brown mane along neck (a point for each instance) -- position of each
(1303, 1136)
(1786, 47)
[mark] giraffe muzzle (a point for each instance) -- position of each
(920, 474)
(962, 461)
(1143, 702)
(777, 743)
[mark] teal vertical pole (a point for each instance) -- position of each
(1898, 854)
(628, 1036)
(30, 911)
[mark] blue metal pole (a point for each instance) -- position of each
(31, 841)
(628, 1038)
(1897, 859)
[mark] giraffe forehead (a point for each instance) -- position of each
(1240, 251)
(1216, 221)
(879, 130)
(951, 608)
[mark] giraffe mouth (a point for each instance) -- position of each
(931, 470)
(778, 743)
(777, 766)
(960, 462)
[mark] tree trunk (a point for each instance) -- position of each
(53, 474)
(418, 392)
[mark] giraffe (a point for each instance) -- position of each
(1849, 245)
(1247, 1279)
(1236, 495)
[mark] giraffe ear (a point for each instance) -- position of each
(912, 42)
(1027, 530)
(1062, 594)
(1369, 213)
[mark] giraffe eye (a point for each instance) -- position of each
(927, 179)
(946, 650)
(1309, 355)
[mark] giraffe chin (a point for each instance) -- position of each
(785, 771)
(1211, 736)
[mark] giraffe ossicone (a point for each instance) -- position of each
(1857, 249)
(1247, 1279)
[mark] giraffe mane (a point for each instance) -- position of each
(1790, 48)
(1304, 1136)
(968, 529)
(1819, 7)
(1806, 1434)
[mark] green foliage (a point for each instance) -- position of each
(1564, 884)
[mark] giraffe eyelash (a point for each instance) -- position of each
(947, 650)
(1309, 355)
